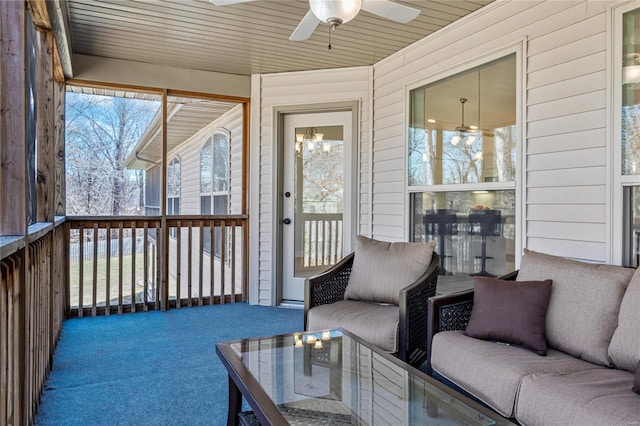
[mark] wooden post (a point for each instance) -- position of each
(59, 195)
(164, 246)
(45, 177)
(246, 108)
(13, 111)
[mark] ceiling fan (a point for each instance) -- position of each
(336, 12)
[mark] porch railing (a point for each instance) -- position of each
(115, 263)
(32, 301)
(322, 239)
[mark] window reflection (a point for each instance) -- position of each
(631, 93)
(447, 148)
(630, 137)
(475, 230)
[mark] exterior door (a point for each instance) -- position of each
(316, 191)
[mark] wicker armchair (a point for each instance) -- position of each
(451, 312)
(329, 287)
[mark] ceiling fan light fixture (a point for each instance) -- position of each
(463, 131)
(335, 12)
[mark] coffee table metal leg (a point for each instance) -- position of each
(235, 403)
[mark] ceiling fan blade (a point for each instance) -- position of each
(227, 2)
(390, 10)
(305, 28)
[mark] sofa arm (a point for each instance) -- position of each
(452, 312)
(446, 313)
(327, 287)
(412, 347)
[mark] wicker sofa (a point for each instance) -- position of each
(390, 310)
(593, 339)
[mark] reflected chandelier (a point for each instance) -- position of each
(463, 132)
(311, 137)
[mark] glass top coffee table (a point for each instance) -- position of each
(333, 377)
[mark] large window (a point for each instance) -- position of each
(630, 135)
(462, 168)
(214, 182)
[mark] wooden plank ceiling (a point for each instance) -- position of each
(244, 38)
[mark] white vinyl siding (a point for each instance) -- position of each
(290, 89)
(565, 118)
(189, 153)
(565, 181)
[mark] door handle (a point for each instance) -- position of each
(286, 221)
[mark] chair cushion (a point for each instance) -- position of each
(491, 371)
(599, 396)
(584, 305)
(510, 312)
(624, 349)
(375, 323)
(381, 269)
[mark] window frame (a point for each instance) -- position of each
(171, 199)
(213, 194)
(618, 182)
(518, 184)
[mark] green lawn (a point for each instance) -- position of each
(101, 285)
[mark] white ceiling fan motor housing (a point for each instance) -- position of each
(335, 12)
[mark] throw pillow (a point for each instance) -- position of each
(381, 269)
(511, 312)
(636, 380)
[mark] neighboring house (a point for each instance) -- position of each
(204, 177)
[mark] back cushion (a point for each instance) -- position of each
(584, 305)
(381, 269)
(624, 350)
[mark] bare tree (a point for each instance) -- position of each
(101, 132)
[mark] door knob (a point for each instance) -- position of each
(286, 221)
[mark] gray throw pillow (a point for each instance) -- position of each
(636, 380)
(511, 312)
(381, 269)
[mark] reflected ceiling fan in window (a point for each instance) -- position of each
(337, 12)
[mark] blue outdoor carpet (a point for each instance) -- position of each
(151, 368)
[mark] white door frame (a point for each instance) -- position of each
(277, 175)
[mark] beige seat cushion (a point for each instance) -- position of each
(491, 371)
(584, 304)
(375, 323)
(381, 269)
(624, 349)
(594, 397)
